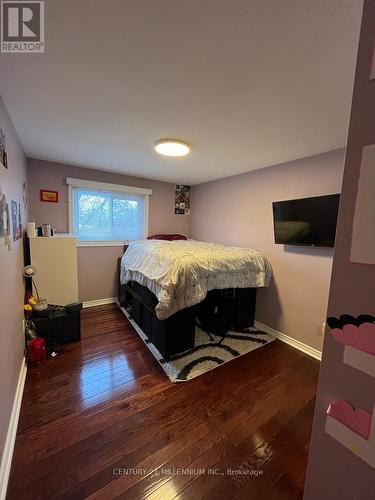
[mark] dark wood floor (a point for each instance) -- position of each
(105, 405)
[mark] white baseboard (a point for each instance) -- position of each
(6, 460)
(99, 302)
(310, 351)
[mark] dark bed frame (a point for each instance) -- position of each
(140, 304)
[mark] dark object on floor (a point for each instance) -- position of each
(140, 302)
(59, 327)
(216, 312)
(54, 347)
(228, 309)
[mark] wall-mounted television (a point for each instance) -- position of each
(306, 221)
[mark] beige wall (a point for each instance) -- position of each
(238, 211)
(11, 289)
(97, 265)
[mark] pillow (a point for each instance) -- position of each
(168, 237)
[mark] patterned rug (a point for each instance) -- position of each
(207, 354)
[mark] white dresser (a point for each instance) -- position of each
(55, 259)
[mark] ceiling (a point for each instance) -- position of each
(248, 83)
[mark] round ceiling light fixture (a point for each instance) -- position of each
(172, 147)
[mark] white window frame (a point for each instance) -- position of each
(106, 187)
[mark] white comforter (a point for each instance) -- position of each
(180, 273)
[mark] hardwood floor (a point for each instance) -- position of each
(105, 406)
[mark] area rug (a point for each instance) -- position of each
(207, 354)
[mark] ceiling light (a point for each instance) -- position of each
(172, 147)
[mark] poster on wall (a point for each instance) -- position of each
(2, 209)
(49, 196)
(16, 220)
(363, 235)
(182, 200)
(5, 221)
(7, 239)
(24, 195)
(3, 153)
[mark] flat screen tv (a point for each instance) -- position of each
(306, 221)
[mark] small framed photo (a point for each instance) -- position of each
(3, 153)
(49, 196)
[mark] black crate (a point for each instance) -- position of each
(59, 326)
(170, 336)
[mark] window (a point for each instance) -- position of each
(107, 213)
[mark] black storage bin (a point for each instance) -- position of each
(228, 308)
(175, 334)
(59, 326)
(170, 336)
(216, 311)
(244, 307)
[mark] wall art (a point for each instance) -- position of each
(3, 153)
(49, 196)
(353, 428)
(2, 210)
(182, 200)
(24, 195)
(357, 334)
(16, 220)
(6, 223)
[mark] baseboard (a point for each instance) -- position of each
(99, 302)
(6, 460)
(310, 351)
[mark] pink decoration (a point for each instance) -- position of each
(357, 420)
(361, 337)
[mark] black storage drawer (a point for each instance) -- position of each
(244, 311)
(170, 336)
(147, 317)
(60, 326)
(235, 307)
(175, 334)
(146, 296)
(136, 310)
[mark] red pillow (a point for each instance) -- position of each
(168, 237)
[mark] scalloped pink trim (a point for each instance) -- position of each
(357, 420)
(362, 337)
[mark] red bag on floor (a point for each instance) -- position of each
(36, 351)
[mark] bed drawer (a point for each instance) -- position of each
(175, 334)
(145, 295)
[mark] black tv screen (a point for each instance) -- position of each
(307, 221)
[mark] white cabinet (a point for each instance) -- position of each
(55, 259)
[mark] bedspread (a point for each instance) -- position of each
(180, 273)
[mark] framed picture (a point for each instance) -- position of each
(49, 196)
(3, 153)
(16, 220)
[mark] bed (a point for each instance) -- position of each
(163, 285)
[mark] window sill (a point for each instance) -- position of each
(101, 243)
